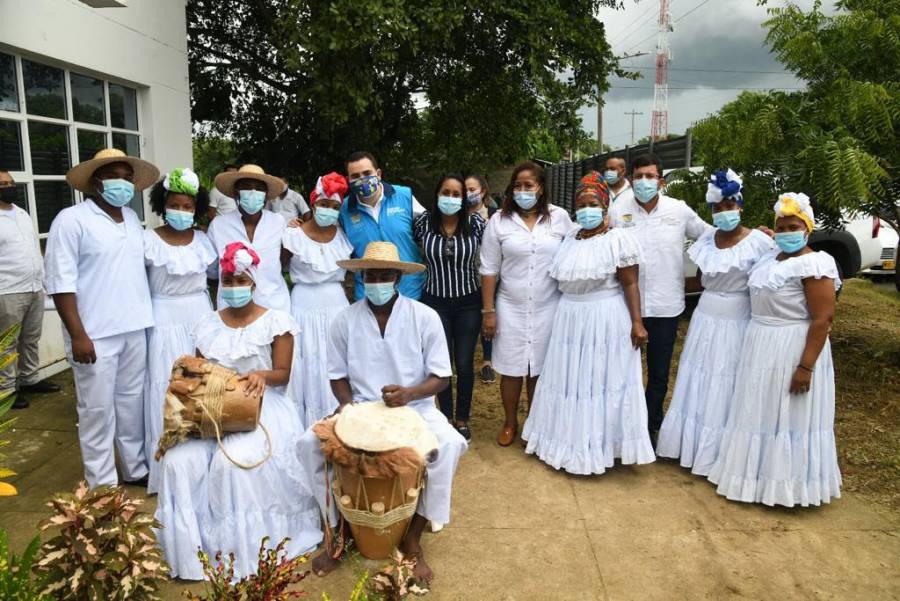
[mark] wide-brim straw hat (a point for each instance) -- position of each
(381, 255)
(79, 176)
(377, 428)
(226, 180)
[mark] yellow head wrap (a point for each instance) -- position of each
(791, 204)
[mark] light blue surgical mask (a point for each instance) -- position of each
(790, 242)
(589, 217)
(727, 220)
(526, 199)
(449, 205)
(645, 189)
(379, 293)
(611, 176)
(180, 220)
(236, 296)
(252, 201)
(118, 192)
(326, 217)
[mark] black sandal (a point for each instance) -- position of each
(465, 431)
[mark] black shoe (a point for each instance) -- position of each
(141, 482)
(21, 401)
(466, 433)
(487, 375)
(44, 387)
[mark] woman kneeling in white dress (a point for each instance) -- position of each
(778, 447)
(589, 405)
(206, 500)
(709, 361)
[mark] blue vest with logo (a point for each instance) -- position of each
(395, 225)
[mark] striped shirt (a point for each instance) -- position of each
(452, 262)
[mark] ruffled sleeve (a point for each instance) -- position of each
(595, 258)
(773, 274)
(221, 343)
(320, 257)
(195, 257)
(743, 255)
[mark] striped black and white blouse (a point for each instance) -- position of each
(452, 262)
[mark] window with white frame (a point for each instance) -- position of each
(53, 118)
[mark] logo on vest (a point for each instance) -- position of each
(355, 219)
(394, 211)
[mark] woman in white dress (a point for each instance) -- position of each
(313, 248)
(709, 360)
(177, 257)
(778, 447)
(589, 405)
(517, 250)
(205, 500)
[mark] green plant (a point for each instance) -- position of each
(274, 574)
(16, 581)
(104, 548)
(7, 355)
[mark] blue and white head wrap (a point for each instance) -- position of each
(722, 185)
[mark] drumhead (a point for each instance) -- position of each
(376, 428)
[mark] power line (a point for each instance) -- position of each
(673, 22)
(622, 32)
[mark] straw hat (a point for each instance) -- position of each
(79, 176)
(381, 255)
(226, 180)
(376, 428)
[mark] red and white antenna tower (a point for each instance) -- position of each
(659, 126)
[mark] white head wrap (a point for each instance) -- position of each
(183, 181)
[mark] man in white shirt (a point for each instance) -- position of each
(661, 224)
(21, 296)
(95, 273)
(290, 204)
(221, 204)
(619, 186)
(389, 347)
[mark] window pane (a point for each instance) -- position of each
(50, 198)
(89, 144)
(49, 148)
(130, 144)
(11, 146)
(87, 99)
(9, 97)
(45, 93)
(123, 107)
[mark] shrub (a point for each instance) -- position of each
(16, 582)
(7, 355)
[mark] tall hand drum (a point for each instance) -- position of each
(379, 455)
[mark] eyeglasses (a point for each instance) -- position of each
(449, 247)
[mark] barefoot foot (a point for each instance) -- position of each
(324, 563)
(422, 571)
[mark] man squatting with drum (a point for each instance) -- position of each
(387, 346)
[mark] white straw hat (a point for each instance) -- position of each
(381, 255)
(79, 176)
(226, 180)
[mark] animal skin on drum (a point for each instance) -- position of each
(205, 400)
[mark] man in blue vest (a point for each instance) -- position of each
(375, 210)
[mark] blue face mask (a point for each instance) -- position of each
(449, 205)
(611, 176)
(179, 220)
(525, 199)
(118, 192)
(326, 217)
(236, 296)
(365, 186)
(379, 293)
(645, 189)
(252, 201)
(727, 220)
(589, 217)
(790, 242)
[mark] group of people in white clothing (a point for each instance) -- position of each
(567, 307)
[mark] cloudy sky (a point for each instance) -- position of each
(717, 50)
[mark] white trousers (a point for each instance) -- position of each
(434, 505)
(111, 407)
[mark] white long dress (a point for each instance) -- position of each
(709, 361)
(316, 298)
(177, 277)
(589, 405)
(778, 448)
(205, 500)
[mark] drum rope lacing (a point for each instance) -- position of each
(365, 517)
(212, 406)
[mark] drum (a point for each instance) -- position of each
(205, 400)
(379, 456)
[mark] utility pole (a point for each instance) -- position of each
(633, 113)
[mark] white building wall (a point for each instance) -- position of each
(142, 45)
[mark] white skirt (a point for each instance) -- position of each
(206, 501)
(314, 307)
(707, 370)
(523, 333)
(778, 448)
(174, 318)
(589, 405)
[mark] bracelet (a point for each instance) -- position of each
(804, 368)
(485, 311)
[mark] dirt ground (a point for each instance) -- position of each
(521, 531)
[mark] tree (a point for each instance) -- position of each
(298, 84)
(839, 139)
